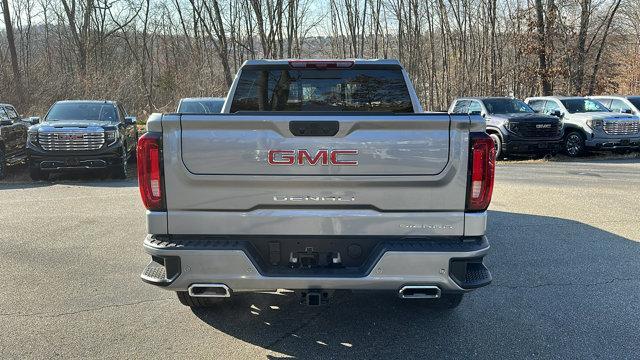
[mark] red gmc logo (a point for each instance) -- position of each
(321, 157)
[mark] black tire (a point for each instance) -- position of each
(3, 164)
(121, 171)
(498, 145)
(37, 175)
(574, 144)
(197, 302)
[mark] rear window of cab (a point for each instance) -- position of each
(281, 88)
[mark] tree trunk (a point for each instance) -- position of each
(603, 43)
(12, 51)
(543, 71)
(581, 52)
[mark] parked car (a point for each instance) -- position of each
(621, 104)
(13, 137)
(82, 134)
(200, 105)
(338, 181)
(514, 127)
(589, 124)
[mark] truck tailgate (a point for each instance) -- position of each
(410, 177)
(385, 144)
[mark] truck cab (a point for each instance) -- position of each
(317, 176)
(629, 104)
(201, 105)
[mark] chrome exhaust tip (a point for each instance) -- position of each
(419, 292)
(209, 290)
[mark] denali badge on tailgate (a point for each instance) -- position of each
(304, 157)
(314, 198)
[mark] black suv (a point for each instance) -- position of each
(13, 137)
(82, 134)
(514, 127)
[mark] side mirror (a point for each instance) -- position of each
(33, 120)
(6, 122)
(475, 112)
(130, 120)
(626, 111)
(557, 113)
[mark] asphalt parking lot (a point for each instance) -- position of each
(565, 255)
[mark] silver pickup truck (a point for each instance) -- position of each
(317, 176)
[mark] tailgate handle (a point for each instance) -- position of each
(314, 128)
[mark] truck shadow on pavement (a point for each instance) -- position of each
(561, 289)
(18, 178)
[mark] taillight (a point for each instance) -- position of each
(482, 166)
(150, 171)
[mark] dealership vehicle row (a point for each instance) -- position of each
(548, 124)
(101, 136)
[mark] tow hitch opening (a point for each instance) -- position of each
(315, 297)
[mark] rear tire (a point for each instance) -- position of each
(497, 144)
(37, 175)
(197, 302)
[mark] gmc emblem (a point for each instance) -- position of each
(543, 126)
(69, 136)
(321, 157)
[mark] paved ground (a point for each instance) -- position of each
(565, 255)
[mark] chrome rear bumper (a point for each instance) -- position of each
(392, 270)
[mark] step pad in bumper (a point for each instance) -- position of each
(162, 270)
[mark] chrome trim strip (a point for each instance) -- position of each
(475, 224)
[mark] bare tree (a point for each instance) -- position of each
(12, 50)
(212, 24)
(543, 70)
(149, 53)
